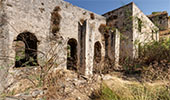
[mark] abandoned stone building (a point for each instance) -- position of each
(36, 31)
(160, 19)
(135, 28)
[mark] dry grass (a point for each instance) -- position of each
(53, 84)
(117, 89)
(153, 63)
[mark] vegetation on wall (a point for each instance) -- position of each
(105, 29)
(55, 20)
(155, 13)
(139, 25)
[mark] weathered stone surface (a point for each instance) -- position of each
(45, 27)
(35, 17)
(135, 28)
(160, 19)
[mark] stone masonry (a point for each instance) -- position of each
(34, 32)
(160, 19)
(135, 29)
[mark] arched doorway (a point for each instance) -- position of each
(72, 54)
(97, 52)
(26, 50)
(97, 57)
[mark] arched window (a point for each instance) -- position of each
(97, 52)
(72, 54)
(26, 50)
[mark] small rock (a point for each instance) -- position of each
(10, 98)
(35, 93)
(78, 98)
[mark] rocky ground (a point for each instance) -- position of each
(63, 85)
(59, 85)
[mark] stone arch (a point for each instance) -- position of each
(26, 50)
(97, 52)
(97, 57)
(72, 54)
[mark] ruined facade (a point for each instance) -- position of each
(135, 29)
(160, 19)
(34, 32)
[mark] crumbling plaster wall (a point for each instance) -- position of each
(21, 16)
(126, 20)
(121, 18)
(25, 16)
(71, 16)
(34, 16)
(4, 36)
(148, 32)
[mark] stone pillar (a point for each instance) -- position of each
(114, 46)
(89, 49)
(4, 50)
(117, 47)
(82, 47)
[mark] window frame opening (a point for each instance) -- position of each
(72, 56)
(30, 53)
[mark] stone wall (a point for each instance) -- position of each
(114, 46)
(143, 30)
(58, 32)
(134, 28)
(73, 17)
(121, 18)
(4, 46)
(35, 17)
(160, 19)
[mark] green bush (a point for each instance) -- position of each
(155, 51)
(105, 93)
(108, 94)
(153, 62)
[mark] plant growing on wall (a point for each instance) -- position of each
(55, 20)
(155, 13)
(140, 23)
(105, 30)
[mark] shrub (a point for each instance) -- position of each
(155, 51)
(155, 13)
(105, 93)
(153, 62)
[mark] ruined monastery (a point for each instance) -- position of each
(34, 32)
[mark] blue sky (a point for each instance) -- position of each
(103, 6)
